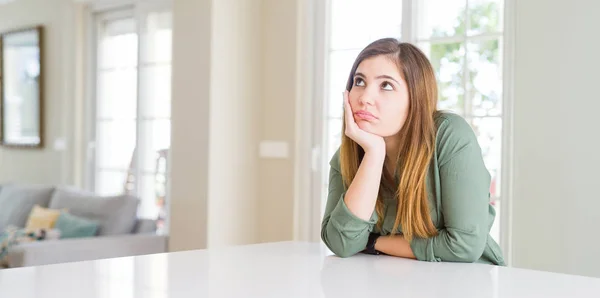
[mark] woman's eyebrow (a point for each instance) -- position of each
(360, 74)
(387, 77)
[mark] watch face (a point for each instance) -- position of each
(370, 249)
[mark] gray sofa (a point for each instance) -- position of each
(120, 232)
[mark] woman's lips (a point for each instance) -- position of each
(364, 115)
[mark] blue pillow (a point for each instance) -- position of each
(71, 226)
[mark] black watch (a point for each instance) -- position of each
(370, 249)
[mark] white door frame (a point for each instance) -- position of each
(507, 166)
(309, 119)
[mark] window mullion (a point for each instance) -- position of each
(467, 18)
(466, 76)
(92, 148)
(139, 17)
(408, 23)
(454, 39)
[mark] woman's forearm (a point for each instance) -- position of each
(361, 195)
(394, 246)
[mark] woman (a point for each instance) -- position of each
(408, 180)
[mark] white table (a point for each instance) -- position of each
(285, 269)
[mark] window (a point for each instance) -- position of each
(133, 107)
(463, 40)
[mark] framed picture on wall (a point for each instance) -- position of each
(21, 88)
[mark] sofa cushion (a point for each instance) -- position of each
(115, 215)
(71, 226)
(16, 202)
(41, 218)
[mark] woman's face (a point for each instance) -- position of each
(379, 97)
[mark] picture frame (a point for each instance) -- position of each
(21, 88)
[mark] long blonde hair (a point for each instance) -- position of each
(417, 135)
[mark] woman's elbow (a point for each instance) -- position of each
(464, 247)
(344, 253)
(472, 255)
(336, 245)
(471, 251)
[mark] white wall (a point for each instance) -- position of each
(191, 83)
(280, 49)
(556, 136)
(47, 165)
(216, 107)
(236, 59)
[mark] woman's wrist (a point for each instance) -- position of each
(371, 244)
(377, 153)
(394, 246)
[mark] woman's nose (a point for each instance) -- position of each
(367, 98)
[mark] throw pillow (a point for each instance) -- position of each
(71, 226)
(41, 218)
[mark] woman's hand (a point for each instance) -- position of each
(368, 141)
(361, 196)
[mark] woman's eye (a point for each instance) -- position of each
(359, 82)
(387, 86)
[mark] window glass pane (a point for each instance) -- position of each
(155, 109)
(160, 186)
(440, 18)
(118, 44)
(334, 136)
(356, 23)
(116, 94)
(155, 91)
(110, 183)
(489, 136)
(334, 140)
(148, 196)
(115, 142)
(340, 64)
(495, 231)
(157, 37)
(155, 136)
(485, 16)
(385, 32)
(116, 102)
(447, 60)
(485, 77)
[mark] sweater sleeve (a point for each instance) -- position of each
(344, 233)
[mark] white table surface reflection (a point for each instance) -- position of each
(285, 269)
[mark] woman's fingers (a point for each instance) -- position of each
(348, 113)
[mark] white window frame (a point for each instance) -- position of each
(94, 11)
(91, 121)
(313, 120)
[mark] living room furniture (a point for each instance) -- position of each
(120, 232)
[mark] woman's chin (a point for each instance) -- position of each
(367, 126)
(364, 125)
